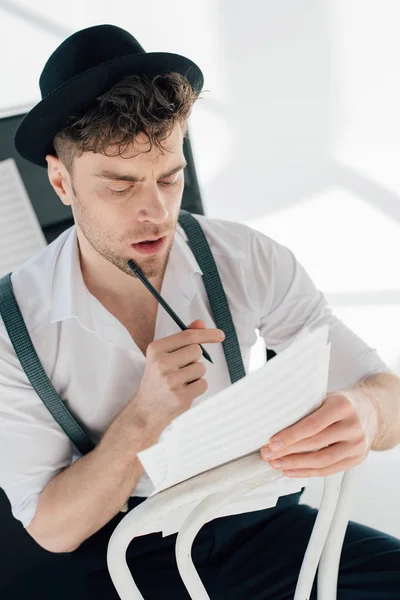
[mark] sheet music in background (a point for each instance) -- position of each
(21, 236)
(244, 416)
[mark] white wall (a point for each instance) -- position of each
(298, 137)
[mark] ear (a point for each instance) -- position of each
(59, 178)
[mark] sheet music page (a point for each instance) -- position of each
(243, 417)
(156, 464)
(21, 236)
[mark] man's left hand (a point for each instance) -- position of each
(335, 437)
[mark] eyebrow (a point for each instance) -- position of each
(107, 174)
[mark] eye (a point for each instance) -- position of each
(122, 192)
(169, 182)
(119, 192)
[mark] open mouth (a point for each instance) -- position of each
(149, 241)
(150, 247)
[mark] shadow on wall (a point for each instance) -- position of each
(280, 72)
(283, 117)
(35, 19)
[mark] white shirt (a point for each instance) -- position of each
(96, 367)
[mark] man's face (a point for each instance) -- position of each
(113, 212)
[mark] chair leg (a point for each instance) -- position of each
(328, 570)
(222, 485)
(204, 512)
(130, 527)
(319, 535)
(149, 515)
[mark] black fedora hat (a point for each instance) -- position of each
(84, 66)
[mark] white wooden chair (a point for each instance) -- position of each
(217, 488)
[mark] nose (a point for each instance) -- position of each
(152, 207)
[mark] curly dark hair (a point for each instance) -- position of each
(137, 104)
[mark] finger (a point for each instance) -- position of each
(183, 339)
(182, 377)
(331, 470)
(197, 324)
(322, 458)
(338, 432)
(334, 409)
(186, 356)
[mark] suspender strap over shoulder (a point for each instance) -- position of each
(216, 295)
(24, 349)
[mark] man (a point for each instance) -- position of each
(110, 130)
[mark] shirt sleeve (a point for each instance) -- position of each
(33, 446)
(290, 302)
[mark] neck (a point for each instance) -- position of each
(109, 284)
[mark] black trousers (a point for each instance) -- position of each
(254, 556)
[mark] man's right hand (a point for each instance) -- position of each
(173, 377)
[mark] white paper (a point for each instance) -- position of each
(154, 463)
(244, 416)
(239, 420)
(21, 236)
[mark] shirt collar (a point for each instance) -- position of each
(71, 298)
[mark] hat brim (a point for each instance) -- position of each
(37, 130)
